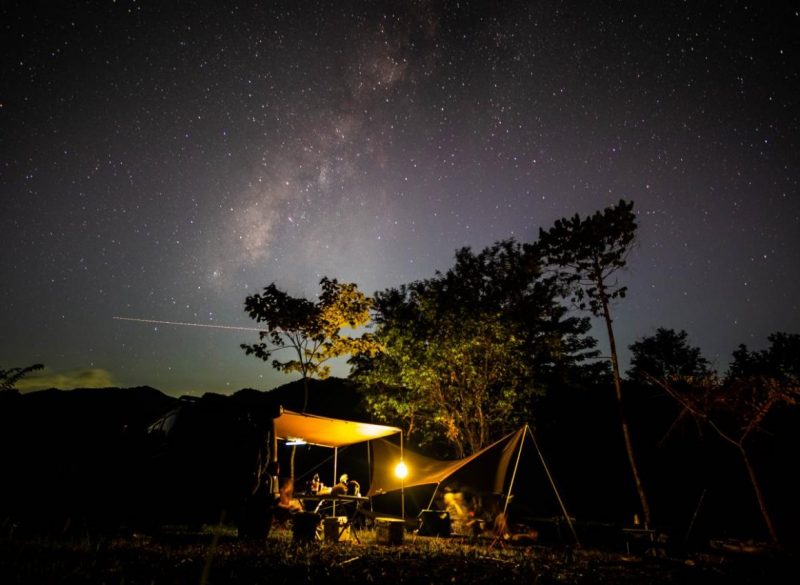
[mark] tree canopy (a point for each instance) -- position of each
(464, 353)
(311, 330)
(666, 355)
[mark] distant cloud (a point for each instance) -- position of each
(88, 378)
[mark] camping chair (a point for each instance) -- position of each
(500, 530)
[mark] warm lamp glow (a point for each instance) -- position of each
(401, 471)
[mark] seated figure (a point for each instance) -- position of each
(340, 489)
(287, 504)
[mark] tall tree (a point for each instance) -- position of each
(311, 331)
(588, 253)
(666, 355)
(463, 353)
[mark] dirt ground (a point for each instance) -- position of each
(216, 556)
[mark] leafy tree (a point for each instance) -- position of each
(463, 353)
(10, 377)
(311, 331)
(587, 253)
(736, 407)
(781, 360)
(666, 355)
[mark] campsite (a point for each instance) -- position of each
(160, 499)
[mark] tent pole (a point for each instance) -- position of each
(514, 473)
(433, 496)
(335, 465)
(402, 483)
(369, 471)
(555, 489)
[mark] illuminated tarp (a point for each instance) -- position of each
(327, 432)
(485, 470)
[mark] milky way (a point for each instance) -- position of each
(164, 160)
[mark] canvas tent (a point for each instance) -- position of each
(497, 469)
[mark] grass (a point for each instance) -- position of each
(215, 556)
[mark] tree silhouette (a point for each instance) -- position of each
(735, 409)
(10, 377)
(666, 355)
(587, 253)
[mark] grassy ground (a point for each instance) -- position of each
(215, 556)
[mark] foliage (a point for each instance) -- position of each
(312, 330)
(463, 353)
(10, 377)
(587, 252)
(781, 360)
(736, 407)
(666, 355)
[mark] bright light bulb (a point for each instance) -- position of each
(401, 471)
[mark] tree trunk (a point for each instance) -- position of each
(618, 388)
(305, 396)
(759, 496)
(305, 405)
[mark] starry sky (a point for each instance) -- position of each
(163, 160)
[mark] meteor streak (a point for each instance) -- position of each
(232, 327)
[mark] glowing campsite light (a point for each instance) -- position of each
(401, 471)
(295, 441)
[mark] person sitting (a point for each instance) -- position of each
(340, 489)
(353, 488)
(287, 505)
(454, 505)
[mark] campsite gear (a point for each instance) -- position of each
(330, 432)
(493, 470)
(389, 531)
(336, 529)
(434, 523)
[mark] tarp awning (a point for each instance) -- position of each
(486, 470)
(327, 432)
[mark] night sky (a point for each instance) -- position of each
(163, 160)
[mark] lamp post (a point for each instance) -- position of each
(401, 471)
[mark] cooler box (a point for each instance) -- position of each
(336, 529)
(389, 531)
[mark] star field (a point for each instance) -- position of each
(164, 160)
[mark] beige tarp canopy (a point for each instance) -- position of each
(488, 467)
(327, 432)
